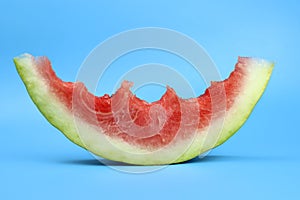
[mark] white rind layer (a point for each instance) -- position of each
(93, 139)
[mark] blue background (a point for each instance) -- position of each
(261, 161)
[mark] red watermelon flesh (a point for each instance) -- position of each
(150, 126)
(91, 105)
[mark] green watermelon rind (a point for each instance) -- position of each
(44, 100)
(258, 74)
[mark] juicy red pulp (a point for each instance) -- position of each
(179, 114)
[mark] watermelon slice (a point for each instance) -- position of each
(122, 127)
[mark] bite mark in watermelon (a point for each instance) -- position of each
(124, 128)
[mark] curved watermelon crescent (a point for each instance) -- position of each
(257, 73)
